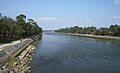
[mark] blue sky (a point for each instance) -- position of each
(54, 14)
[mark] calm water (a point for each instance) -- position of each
(57, 53)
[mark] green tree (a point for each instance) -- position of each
(21, 22)
(114, 30)
(103, 31)
(11, 29)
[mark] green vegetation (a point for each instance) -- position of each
(11, 29)
(113, 30)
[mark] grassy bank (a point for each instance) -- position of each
(93, 36)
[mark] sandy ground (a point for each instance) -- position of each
(9, 44)
(94, 36)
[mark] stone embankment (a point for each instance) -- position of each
(17, 58)
(13, 50)
(20, 64)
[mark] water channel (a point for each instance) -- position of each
(59, 53)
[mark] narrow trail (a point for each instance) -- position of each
(10, 44)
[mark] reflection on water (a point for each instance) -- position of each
(57, 53)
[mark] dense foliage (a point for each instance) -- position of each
(11, 29)
(113, 30)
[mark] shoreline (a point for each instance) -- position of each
(19, 61)
(93, 36)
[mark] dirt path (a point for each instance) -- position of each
(10, 44)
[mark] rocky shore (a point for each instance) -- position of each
(17, 58)
(20, 64)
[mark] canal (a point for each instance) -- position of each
(59, 53)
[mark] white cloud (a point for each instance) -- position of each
(116, 17)
(88, 21)
(51, 20)
(117, 2)
(6, 12)
(47, 19)
(63, 21)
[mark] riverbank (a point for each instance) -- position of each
(93, 36)
(17, 58)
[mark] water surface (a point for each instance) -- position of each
(58, 53)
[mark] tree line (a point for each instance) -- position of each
(21, 27)
(113, 30)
